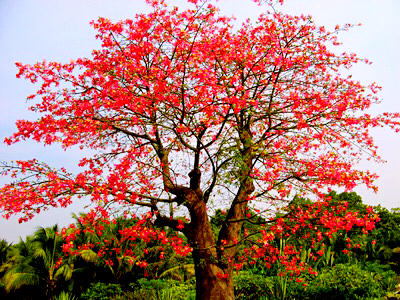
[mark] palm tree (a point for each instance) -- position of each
(102, 250)
(38, 262)
(4, 250)
(49, 249)
(109, 239)
(20, 269)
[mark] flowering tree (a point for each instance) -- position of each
(187, 113)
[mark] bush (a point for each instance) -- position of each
(343, 282)
(65, 296)
(102, 291)
(152, 284)
(384, 275)
(252, 286)
(162, 289)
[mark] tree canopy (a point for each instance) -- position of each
(187, 113)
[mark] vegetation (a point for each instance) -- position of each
(40, 268)
(186, 114)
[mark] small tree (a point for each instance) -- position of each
(38, 264)
(186, 112)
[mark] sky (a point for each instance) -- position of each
(33, 30)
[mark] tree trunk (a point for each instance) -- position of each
(208, 284)
(213, 263)
(214, 278)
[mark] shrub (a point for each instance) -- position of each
(162, 289)
(343, 282)
(102, 291)
(383, 274)
(252, 286)
(65, 296)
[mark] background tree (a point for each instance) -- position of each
(383, 244)
(37, 268)
(20, 273)
(185, 110)
(116, 256)
(4, 250)
(329, 254)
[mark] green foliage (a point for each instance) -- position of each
(37, 267)
(353, 200)
(162, 289)
(252, 286)
(367, 272)
(345, 282)
(281, 287)
(378, 245)
(65, 296)
(5, 248)
(383, 274)
(152, 284)
(116, 266)
(119, 270)
(102, 291)
(180, 272)
(342, 282)
(389, 225)
(387, 237)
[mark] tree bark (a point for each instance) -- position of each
(213, 263)
(214, 277)
(208, 284)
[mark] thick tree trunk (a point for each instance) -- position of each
(213, 264)
(214, 277)
(208, 284)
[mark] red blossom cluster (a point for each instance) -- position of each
(123, 245)
(313, 223)
(314, 105)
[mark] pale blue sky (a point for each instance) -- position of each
(58, 30)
